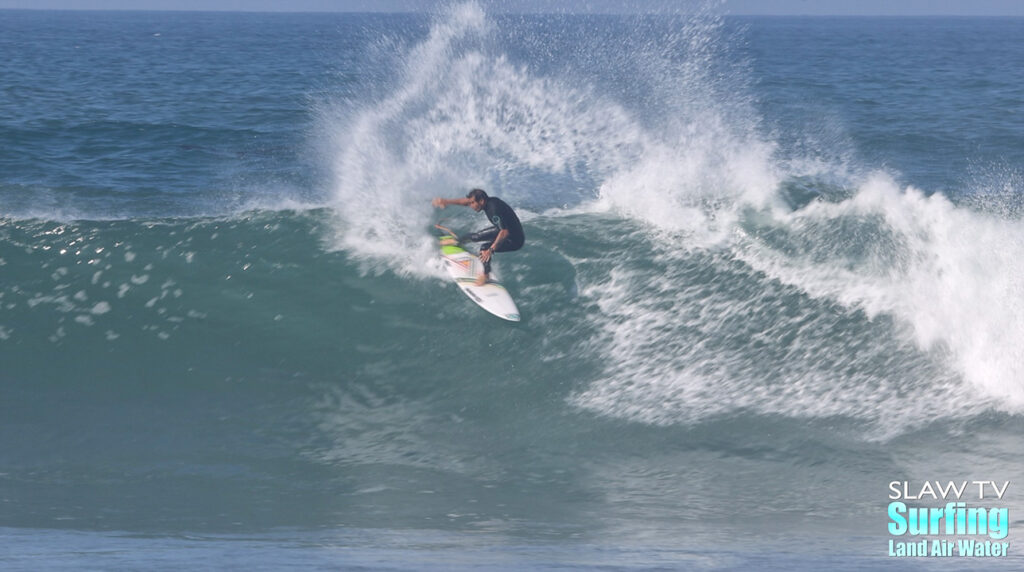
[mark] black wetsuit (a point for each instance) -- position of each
(503, 218)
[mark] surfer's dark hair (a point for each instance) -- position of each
(477, 195)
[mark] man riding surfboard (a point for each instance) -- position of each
(505, 234)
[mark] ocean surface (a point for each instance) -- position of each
(772, 266)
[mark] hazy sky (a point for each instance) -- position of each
(778, 7)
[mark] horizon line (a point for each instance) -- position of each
(510, 12)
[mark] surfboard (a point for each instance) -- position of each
(464, 267)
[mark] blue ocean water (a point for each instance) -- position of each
(773, 265)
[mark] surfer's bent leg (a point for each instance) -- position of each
(487, 237)
(487, 265)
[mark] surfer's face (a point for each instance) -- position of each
(477, 204)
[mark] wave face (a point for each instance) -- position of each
(664, 131)
(760, 256)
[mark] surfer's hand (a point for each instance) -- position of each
(485, 255)
(438, 202)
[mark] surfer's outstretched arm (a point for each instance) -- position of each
(440, 203)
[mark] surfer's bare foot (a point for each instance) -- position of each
(448, 242)
(481, 280)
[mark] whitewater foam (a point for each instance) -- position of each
(460, 112)
(953, 274)
(853, 309)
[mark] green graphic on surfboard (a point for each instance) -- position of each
(464, 267)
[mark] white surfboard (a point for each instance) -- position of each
(464, 267)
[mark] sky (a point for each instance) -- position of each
(736, 7)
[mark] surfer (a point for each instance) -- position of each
(505, 234)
